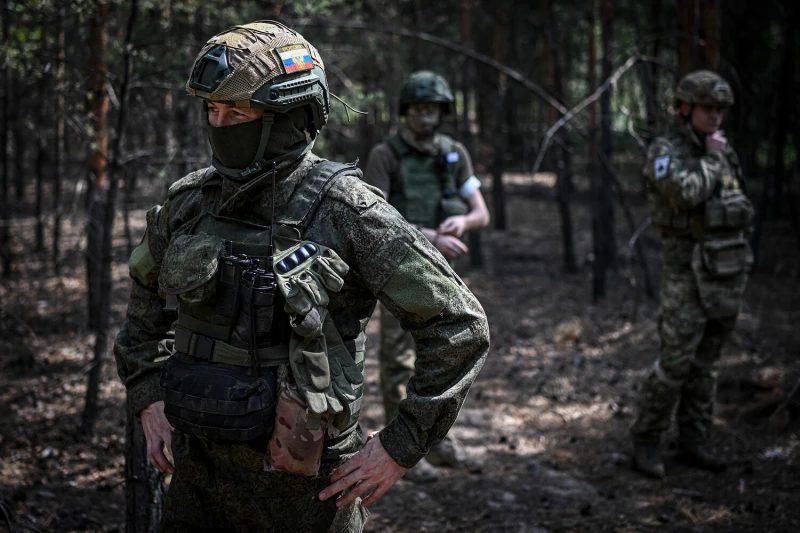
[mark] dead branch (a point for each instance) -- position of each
(638, 138)
(6, 515)
(785, 402)
(444, 43)
(572, 113)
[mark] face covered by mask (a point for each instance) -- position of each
(236, 146)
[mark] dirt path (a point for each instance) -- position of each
(549, 413)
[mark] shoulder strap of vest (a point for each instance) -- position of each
(310, 192)
(448, 174)
(446, 144)
(398, 146)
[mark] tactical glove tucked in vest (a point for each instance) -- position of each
(305, 272)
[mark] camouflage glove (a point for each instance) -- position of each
(308, 359)
(305, 272)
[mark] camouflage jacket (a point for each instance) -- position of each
(388, 260)
(682, 177)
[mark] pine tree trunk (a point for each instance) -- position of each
(559, 157)
(19, 149)
(687, 42)
(595, 177)
(609, 244)
(710, 16)
(500, 53)
(60, 152)
(5, 103)
(98, 280)
(41, 158)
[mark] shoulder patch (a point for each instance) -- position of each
(190, 181)
(661, 166)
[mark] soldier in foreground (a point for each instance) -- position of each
(428, 177)
(699, 205)
(244, 343)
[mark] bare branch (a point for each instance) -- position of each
(444, 43)
(572, 113)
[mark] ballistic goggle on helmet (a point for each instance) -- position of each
(266, 65)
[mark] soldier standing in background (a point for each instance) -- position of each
(428, 177)
(251, 291)
(698, 203)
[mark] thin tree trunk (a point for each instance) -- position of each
(97, 282)
(5, 219)
(41, 158)
(500, 52)
(559, 158)
(710, 16)
(687, 43)
(129, 181)
(771, 199)
(608, 243)
(474, 237)
(60, 152)
(19, 149)
(595, 174)
(107, 215)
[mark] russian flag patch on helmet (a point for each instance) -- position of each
(295, 57)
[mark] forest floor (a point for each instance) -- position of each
(549, 414)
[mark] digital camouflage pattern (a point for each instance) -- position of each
(687, 186)
(704, 87)
(396, 362)
(685, 373)
(388, 261)
(215, 482)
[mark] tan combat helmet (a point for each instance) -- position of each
(262, 64)
(703, 87)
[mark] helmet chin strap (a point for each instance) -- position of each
(259, 165)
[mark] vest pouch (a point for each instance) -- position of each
(720, 270)
(190, 266)
(297, 442)
(726, 257)
(732, 211)
(216, 401)
(453, 206)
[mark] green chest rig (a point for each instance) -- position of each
(425, 191)
(232, 331)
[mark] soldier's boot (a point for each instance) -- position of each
(423, 472)
(647, 458)
(698, 455)
(451, 454)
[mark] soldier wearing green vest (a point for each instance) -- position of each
(698, 204)
(428, 177)
(243, 348)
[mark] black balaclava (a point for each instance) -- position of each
(236, 146)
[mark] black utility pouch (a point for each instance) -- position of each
(217, 401)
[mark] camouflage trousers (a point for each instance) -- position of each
(685, 375)
(224, 488)
(397, 356)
